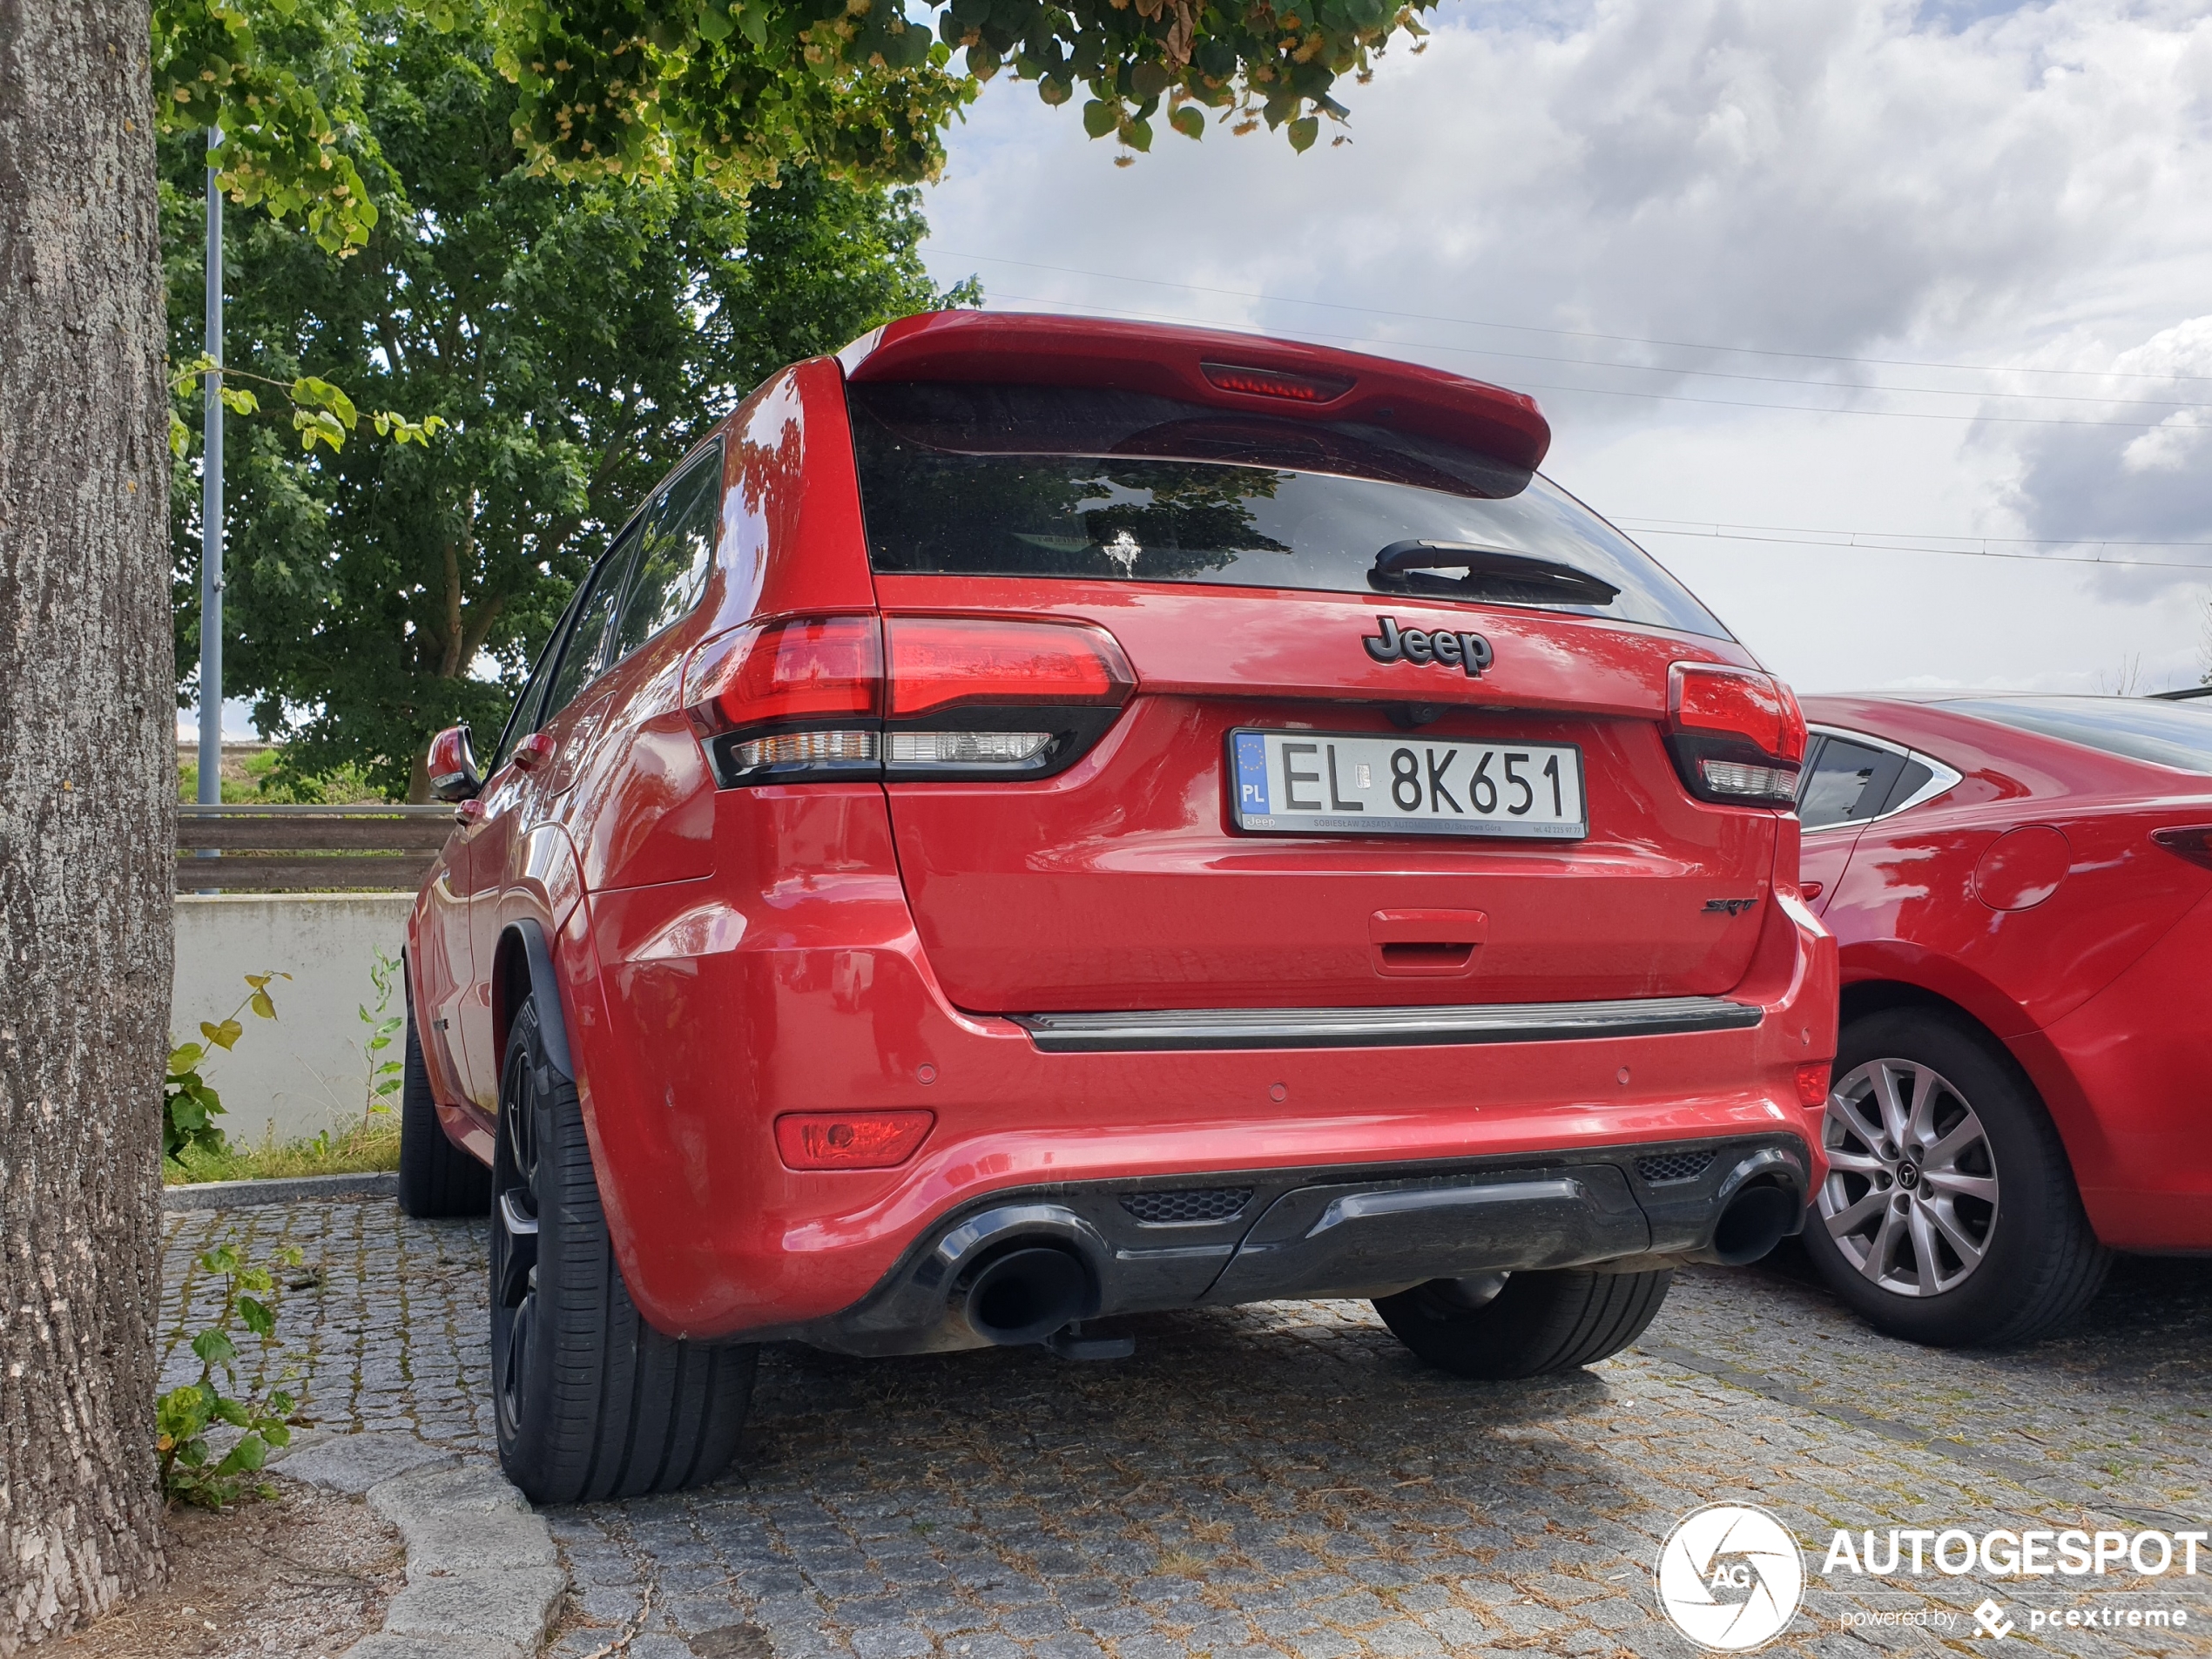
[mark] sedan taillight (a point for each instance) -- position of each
(1736, 736)
(906, 697)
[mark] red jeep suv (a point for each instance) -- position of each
(1041, 819)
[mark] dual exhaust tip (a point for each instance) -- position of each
(1032, 1292)
(1027, 1294)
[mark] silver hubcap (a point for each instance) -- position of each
(1910, 1198)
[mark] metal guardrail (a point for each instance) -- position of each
(375, 849)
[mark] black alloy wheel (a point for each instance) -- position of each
(592, 1401)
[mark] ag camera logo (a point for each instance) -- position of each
(1730, 1577)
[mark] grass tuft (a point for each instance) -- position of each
(373, 1145)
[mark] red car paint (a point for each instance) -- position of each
(729, 956)
(2031, 896)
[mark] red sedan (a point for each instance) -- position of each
(2018, 887)
(1039, 818)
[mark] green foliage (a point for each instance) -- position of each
(740, 92)
(266, 777)
(237, 67)
(357, 1147)
(385, 1076)
(321, 412)
(573, 340)
(184, 1416)
(189, 1107)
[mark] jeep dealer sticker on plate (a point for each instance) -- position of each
(1338, 784)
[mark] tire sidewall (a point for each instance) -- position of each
(2032, 1185)
(522, 1440)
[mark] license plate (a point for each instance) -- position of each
(1345, 784)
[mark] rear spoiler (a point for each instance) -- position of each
(1247, 373)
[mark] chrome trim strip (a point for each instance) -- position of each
(1171, 1028)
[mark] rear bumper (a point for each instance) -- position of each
(1359, 1231)
(698, 1011)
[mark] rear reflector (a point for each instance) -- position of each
(1812, 1084)
(850, 1140)
(1269, 383)
(1736, 736)
(942, 662)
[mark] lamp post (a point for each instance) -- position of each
(211, 511)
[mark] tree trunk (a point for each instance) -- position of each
(87, 814)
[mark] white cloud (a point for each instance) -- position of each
(2024, 188)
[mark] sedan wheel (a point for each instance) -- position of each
(1910, 1199)
(1949, 1214)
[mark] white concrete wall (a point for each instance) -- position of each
(307, 1069)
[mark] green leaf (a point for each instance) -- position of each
(238, 400)
(1101, 118)
(179, 435)
(214, 1347)
(1137, 134)
(311, 392)
(260, 1004)
(224, 1035)
(184, 1057)
(256, 1314)
(1190, 120)
(1303, 131)
(714, 22)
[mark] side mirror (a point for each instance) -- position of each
(453, 765)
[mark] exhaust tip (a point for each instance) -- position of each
(1756, 1219)
(1027, 1294)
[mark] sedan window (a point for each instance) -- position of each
(2166, 734)
(1847, 783)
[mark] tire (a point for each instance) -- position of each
(1531, 1325)
(1981, 1240)
(592, 1401)
(436, 1177)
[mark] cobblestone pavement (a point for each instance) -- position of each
(1286, 1479)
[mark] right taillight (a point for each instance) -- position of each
(1736, 736)
(905, 696)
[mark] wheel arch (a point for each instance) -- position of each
(2032, 1061)
(522, 966)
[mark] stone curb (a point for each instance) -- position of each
(484, 1581)
(299, 1189)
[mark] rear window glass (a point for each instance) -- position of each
(981, 480)
(2162, 733)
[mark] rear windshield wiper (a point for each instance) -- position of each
(1492, 573)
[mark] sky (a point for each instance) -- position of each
(1887, 327)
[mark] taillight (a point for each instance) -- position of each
(942, 662)
(966, 697)
(1812, 1084)
(2193, 843)
(1736, 736)
(850, 1140)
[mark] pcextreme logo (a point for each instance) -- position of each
(1730, 1577)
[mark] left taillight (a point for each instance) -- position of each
(942, 697)
(1737, 737)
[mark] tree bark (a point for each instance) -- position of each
(87, 812)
